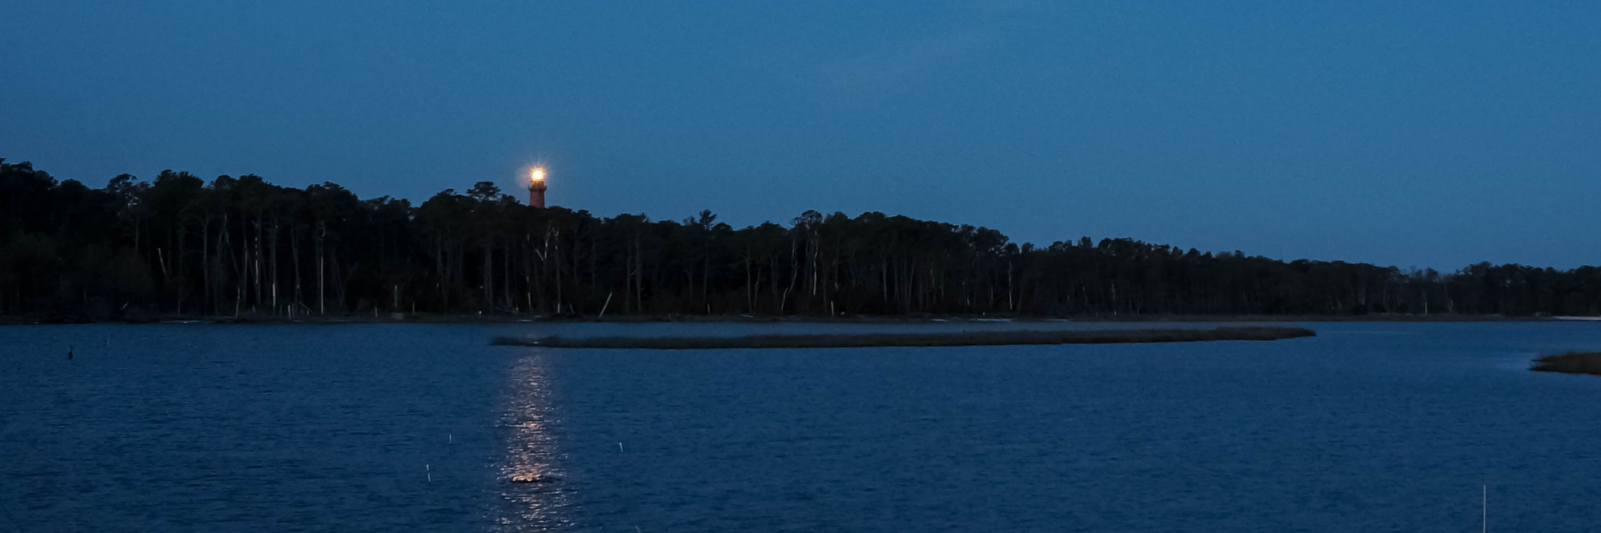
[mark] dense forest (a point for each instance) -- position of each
(242, 247)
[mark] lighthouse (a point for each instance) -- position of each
(536, 187)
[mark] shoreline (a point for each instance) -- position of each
(916, 340)
(1569, 363)
(427, 318)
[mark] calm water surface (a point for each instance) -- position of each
(416, 427)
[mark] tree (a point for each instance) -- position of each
(246, 246)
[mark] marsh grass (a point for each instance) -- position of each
(870, 340)
(1570, 363)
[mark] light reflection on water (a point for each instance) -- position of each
(420, 427)
(532, 484)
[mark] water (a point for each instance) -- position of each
(1367, 427)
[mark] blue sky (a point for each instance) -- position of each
(1429, 134)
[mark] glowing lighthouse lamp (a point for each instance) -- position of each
(536, 187)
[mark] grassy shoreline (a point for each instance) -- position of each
(429, 318)
(1570, 363)
(871, 340)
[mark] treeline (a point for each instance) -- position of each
(245, 247)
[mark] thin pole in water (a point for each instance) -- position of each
(430, 471)
(1485, 509)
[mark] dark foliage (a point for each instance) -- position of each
(242, 246)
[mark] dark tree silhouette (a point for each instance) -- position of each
(243, 246)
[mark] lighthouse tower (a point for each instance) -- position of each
(536, 187)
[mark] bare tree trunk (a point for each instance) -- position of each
(639, 273)
(272, 261)
(339, 278)
(528, 252)
(225, 243)
(256, 261)
(181, 276)
(883, 269)
(442, 269)
(322, 303)
(543, 254)
(294, 255)
(205, 262)
(811, 245)
(557, 263)
(628, 279)
(505, 276)
(489, 275)
(772, 280)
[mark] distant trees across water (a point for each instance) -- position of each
(242, 246)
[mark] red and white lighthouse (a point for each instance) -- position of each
(536, 187)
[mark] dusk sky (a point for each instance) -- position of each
(1402, 133)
